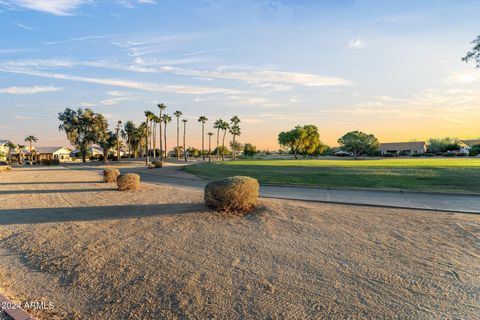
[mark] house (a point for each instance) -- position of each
(3, 149)
(51, 153)
(403, 148)
(466, 145)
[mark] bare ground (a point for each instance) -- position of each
(97, 253)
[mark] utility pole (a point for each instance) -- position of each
(119, 123)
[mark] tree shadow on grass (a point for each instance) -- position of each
(72, 214)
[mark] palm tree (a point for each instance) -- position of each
(128, 134)
(178, 114)
(148, 117)
(184, 134)
(210, 134)
(161, 107)
(10, 146)
(156, 121)
(203, 119)
(30, 140)
(166, 120)
(20, 154)
(117, 136)
(224, 127)
(235, 131)
(218, 125)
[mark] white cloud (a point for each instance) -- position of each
(357, 43)
(145, 86)
(464, 78)
(29, 90)
(56, 7)
(23, 26)
(5, 127)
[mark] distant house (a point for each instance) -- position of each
(51, 153)
(466, 145)
(3, 149)
(403, 148)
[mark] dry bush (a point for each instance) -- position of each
(110, 175)
(234, 194)
(151, 166)
(5, 168)
(128, 181)
(158, 164)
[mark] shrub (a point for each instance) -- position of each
(462, 154)
(5, 168)
(428, 154)
(158, 164)
(53, 162)
(110, 175)
(151, 166)
(417, 155)
(389, 155)
(234, 194)
(449, 154)
(128, 181)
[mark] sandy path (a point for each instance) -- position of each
(157, 253)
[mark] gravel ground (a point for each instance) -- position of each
(4, 316)
(98, 253)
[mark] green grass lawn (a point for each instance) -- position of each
(443, 175)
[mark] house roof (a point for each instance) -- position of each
(49, 149)
(402, 146)
(2, 142)
(471, 143)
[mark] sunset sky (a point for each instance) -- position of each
(391, 68)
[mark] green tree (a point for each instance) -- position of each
(474, 150)
(224, 126)
(31, 139)
(166, 119)
(234, 131)
(291, 139)
(222, 150)
(20, 148)
(203, 119)
(178, 114)
(218, 125)
(446, 144)
(249, 150)
(474, 53)
(193, 152)
(10, 146)
(107, 142)
(128, 134)
(82, 127)
(358, 143)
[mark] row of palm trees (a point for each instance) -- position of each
(145, 136)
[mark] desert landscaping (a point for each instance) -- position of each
(157, 252)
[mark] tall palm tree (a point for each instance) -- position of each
(178, 114)
(210, 134)
(203, 119)
(224, 128)
(184, 134)
(166, 120)
(148, 117)
(218, 125)
(156, 121)
(235, 131)
(161, 107)
(128, 134)
(119, 123)
(30, 140)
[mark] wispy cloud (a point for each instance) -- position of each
(56, 7)
(23, 26)
(464, 78)
(145, 86)
(5, 127)
(29, 90)
(357, 43)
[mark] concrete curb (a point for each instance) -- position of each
(15, 312)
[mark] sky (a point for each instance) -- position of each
(390, 68)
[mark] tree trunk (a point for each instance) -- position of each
(203, 141)
(146, 144)
(160, 134)
(218, 143)
(184, 133)
(233, 148)
(165, 134)
(178, 138)
(223, 145)
(154, 140)
(105, 155)
(83, 150)
(31, 155)
(209, 149)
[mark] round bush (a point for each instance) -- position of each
(151, 166)
(128, 181)
(158, 164)
(234, 194)
(110, 175)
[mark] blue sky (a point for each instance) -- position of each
(391, 68)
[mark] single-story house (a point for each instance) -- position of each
(466, 145)
(98, 151)
(403, 148)
(51, 153)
